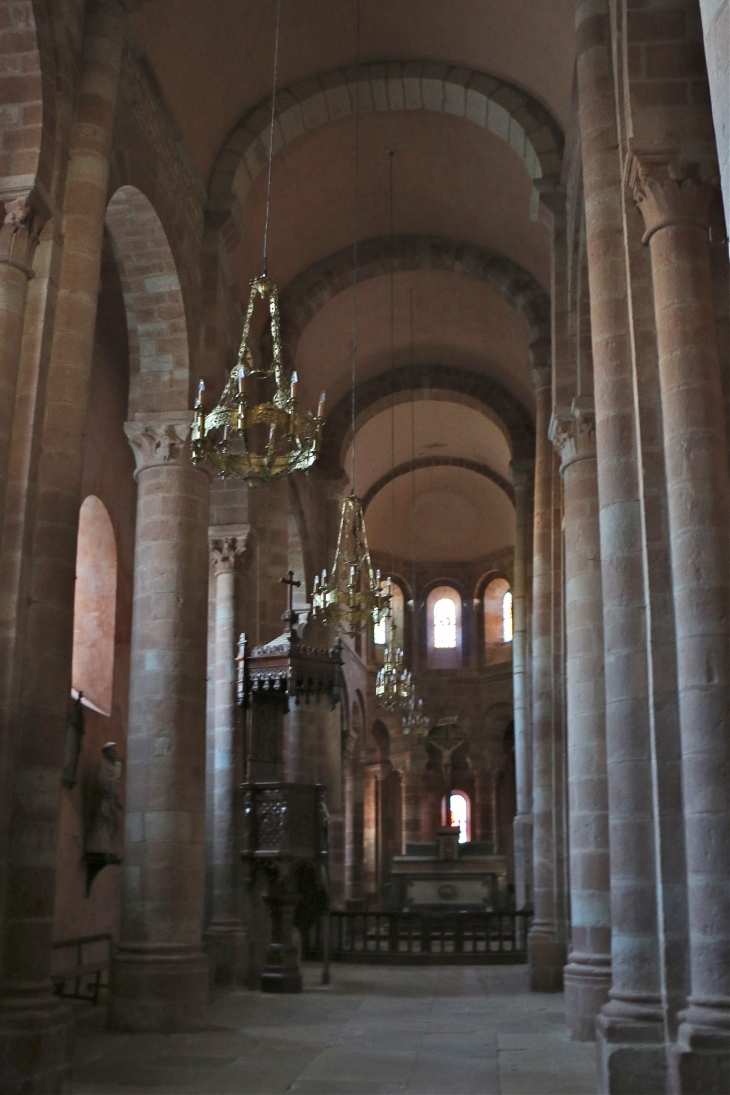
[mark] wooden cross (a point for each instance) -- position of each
(292, 585)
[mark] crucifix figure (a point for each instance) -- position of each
(447, 737)
(290, 616)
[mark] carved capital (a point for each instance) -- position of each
(541, 376)
(541, 358)
(20, 232)
(158, 440)
(522, 472)
(225, 552)
(574, 434)
(670, 191)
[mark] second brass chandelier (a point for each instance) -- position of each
(351, 596)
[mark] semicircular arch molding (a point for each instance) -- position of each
(436, 462)
(504, 109)
(315, 287)
(499, 403)
(159, 364)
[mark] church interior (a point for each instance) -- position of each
(365, 545)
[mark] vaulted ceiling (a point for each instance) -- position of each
(473, 105)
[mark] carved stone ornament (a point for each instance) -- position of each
(522, 472)
(670, 191)
(574, 434)
(225, 550)
(541, 373)
(157, 440)
(20, 233)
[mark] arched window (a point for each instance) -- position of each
(95, 601)
(381, 631)
(443, 608)
(507, 617)
(497, 605)
(444, 624)
(460, 814)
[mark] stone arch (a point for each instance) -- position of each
(497, 719)
(28, 101)
(321, 282)
(507, 111)
(381, 741)
(436, 462)
(159, 364)
(480, 390)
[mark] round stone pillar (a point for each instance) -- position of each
(522, 473)
(675, 202)
(225, 939)
(587, 977)
(546, 945)
(18, 241)
(630, 1028)
(35, 1027)
(160, 975)
(411, 803)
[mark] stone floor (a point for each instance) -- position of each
(458, 1029)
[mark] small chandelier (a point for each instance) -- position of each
(415, 720)
(393, 682)
(261, 441)
(352, 597)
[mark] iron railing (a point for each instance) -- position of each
(428, 937)
(92, 960)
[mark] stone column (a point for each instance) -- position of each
(630, 1028)
(373, 831)
(19, 236)
(353, 818)
(588, 973)
(225, 939)
(522, 473)
(675, 203)
(160, 976)
(34, 1028)
(546, 947)
(412, 803)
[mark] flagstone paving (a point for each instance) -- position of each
(460, 1030)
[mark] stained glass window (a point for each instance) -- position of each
(444, 624)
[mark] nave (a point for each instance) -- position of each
(459, 1030)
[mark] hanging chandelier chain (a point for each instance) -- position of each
(355, 234)
(271, 136)
(391, 155)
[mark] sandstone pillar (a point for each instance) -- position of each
(34, 1042)
(521, 477)
(587, 976)
(412, 804)
(160, 976)
(373, 832)
(18, 241)
(675, 204)
(630, 1028)
(225, 939)
(546, 943)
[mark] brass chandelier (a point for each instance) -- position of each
(393, 680)
(351, 597)
(256, 432)
(415, 720)
(257, 441)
